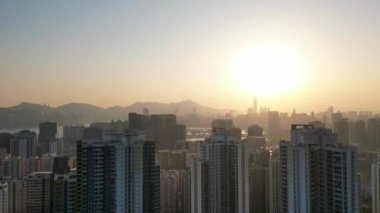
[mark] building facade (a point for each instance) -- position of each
(118, 174)
(376, 185)
(219, 172)
(4, 197)
(317, 173)
(38, 192)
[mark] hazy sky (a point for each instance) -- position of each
(118, 52)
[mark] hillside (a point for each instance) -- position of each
(29, 114)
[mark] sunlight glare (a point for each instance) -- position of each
(269, 70)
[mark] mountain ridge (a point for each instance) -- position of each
(28, 114)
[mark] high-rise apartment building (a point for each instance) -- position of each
(118, 174)
(358, 133)
(274, 186)
(219, 172)
(175, 191)
(172, 159)
(5, 141)
(23, 144)
(199, 179)
(186, 191)
(71, 191)
(17, 196)
(274, 126)
(4, 197)
(64, 192)
(223, 174)
(59, 193)
(341, 129)
(71, 134)
(257, 160)
(61, 165)
(38, 192)
(161, 128)
(317, 174)
(258, 173)
(373, 132)
(47, 134)
(92, 134)
(100, 176)
(255, 130)
(138, 122)
(376, 185)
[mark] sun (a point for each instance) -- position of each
(268, 70)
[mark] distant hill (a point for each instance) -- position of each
(29, 115)
(180, 108)
(25, 106)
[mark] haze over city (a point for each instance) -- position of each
(189, 106)
(303, 55)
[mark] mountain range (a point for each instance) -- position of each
(29, 115)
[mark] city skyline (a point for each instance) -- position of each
(116, 53)
(214, 110)
(189, 106)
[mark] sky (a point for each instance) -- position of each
(118, 52)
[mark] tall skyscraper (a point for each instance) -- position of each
(317, 173)
(47, 134)
(117, 175)
(219, 172)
